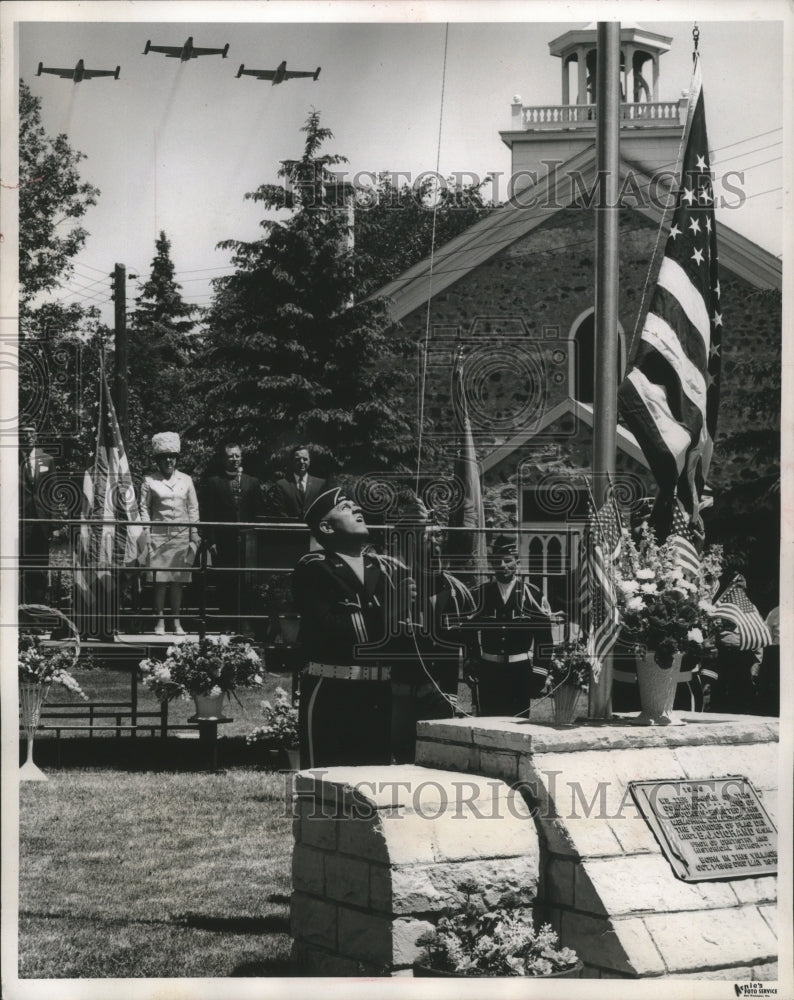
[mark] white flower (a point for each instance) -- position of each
(645, 574)
(251, 654)
(223, 640)
(706, 606)
(694, 635)
(215, 691)
(648, 588)
(635, 604)
(256, 679)
(628, 587)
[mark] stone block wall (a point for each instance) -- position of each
(605, 885)
(379, 854)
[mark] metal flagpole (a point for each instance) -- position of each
(606, 303)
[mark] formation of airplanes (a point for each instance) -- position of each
(184, 53)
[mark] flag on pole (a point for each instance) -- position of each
(733, 605)
(600, 547)
(681, 539)
(469, 513)
(670, 396)
(115, 538)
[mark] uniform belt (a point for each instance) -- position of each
(506, 658)
(353, 672)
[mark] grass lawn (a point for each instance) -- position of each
(154, 875)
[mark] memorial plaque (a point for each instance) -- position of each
(709, 829)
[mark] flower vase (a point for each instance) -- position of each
(657, 686)
(293, 758)
(566, 701)
(209, 706)
(32, 697)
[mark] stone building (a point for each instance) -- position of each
(517, 289)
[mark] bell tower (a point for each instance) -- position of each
(650, 128)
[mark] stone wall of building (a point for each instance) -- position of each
(537, 288)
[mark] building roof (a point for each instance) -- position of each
(580, 411)
(514, 220)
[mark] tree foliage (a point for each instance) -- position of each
(60, 343)
(163, 343)
(396, 226)
(292, 354)
(51, 198)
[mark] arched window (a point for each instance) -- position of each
(582, 364)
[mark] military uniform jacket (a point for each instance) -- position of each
(514, 631)
(339, 613)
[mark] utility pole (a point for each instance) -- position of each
(121, 346)
(605, 405)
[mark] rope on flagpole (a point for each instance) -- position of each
(432, 253)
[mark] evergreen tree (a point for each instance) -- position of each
(292, 355)
(162, 344)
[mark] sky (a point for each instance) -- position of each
(176, 146)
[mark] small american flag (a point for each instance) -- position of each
(599, 617)
(735, 606)
(681, 535)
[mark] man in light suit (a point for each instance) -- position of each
(230, 497)
(294, 495)
(35, 466)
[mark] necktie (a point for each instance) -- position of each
(301, 491)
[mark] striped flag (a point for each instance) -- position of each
(681, 540)
(599, 619)
(103, 546)
(670, 396)
(735, 606)
(469, 513)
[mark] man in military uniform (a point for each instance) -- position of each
(352, 603)
(513, 637)
(425, 685)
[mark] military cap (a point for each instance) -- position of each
(322, 505)
(504, 546)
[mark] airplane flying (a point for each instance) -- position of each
(185, 52)
(277, 75)
(79, 72)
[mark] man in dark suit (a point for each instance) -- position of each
(353, 603)
(513, 637)
(232, 497)
(35, 466)
(294, 495)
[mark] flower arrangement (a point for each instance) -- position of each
(569, 665)
(280, 731)
(661, 605)
(211, 666)
(38, 664)
(503, 941)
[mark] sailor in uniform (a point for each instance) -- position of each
(353, 604)
(513, 637)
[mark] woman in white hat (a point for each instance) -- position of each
(168, 495)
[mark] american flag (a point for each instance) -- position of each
(670, 396)
(470, 512)
(103, 546)
(600, 547)
(680, 539)
(735, 606)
